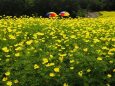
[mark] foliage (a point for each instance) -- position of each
(41, 7)
(57, 52)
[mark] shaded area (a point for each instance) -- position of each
(41, 7)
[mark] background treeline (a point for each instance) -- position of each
(41, 7)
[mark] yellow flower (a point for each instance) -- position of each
(62, 55)
(76, 46)
(29, 42)
(5, 49)
(7, 60)
(110, 61)
(18, 48)
(50, 64)
(104, 48)
(71, 68)
(72, 61)
(39, 33)
(113, 39)
(51, 74)
(12, 37)
(107, 84)
(85, 49)
(7, 73)
(7, 55)
(65, 84)
(113, 70)
(99, 58)
(61, 58)
(9, 83)
(80, 73)
(45, 60)
(72, 36)
(4, 79)
(88, 70)
(36, 66)
(109, 75)
(110, 53)
(17, 54)
(56, 69)
(16, 81)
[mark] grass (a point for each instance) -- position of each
(107, 14)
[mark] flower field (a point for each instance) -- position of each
(57, 52)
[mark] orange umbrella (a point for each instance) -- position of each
(64, 14)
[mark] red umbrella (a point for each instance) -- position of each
(51, 14)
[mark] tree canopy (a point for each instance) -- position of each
(41, 7)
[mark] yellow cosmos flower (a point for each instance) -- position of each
(5, 49)
(50, 64)
(72, 61)
(109, 75)
(61, 59)
(17, 54)
(88, 70)
(111, 62)
(76, 46)
(65, 84)
(5, 79)
(51, 74)
(45, 60)
(80, 73)
(29, 42)
(62, 55)
(39, 33)
(7, 60)
(71, 68)
(9, 83)
(113, 39)
(7, 73)
(56, 69)
(105, 48)
(99, 58)
(108, 85)
(72, 36)
(16, 81)
(85, 49)
(110, 53)
(113, 70)
(36, 66)
(12, 37)
(9, 29)
(18, 48)
(7, 55)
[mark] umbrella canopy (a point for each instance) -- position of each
(51, 14)
(64, 14)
